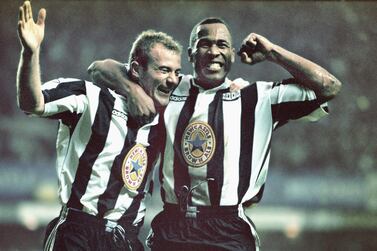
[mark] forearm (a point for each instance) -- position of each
(111, 73)
(309, 74)
(29, 93)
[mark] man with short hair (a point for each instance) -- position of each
(104, 161)
(217, 146)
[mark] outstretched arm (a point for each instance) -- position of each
(29, 94)
(256, 48)
(113, 75)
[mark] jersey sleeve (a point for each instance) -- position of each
(63, 97)
(291, 101)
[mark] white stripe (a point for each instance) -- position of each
(168, 175)
(72, 103)
(241, 214)
(143, 132)
(232, 141)
(101, 169)
(50, 242)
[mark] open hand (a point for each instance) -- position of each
(30, 33)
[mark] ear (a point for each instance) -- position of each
(233, 57)
(190, 56)
(135, 70)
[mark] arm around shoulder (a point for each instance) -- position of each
(109, 73)
(114, 75)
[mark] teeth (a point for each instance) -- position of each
(214, 66)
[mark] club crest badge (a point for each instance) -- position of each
(198, 144)
(134, 166)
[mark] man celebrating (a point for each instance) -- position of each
(103, 160)
(217, 147)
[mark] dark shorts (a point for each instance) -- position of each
(85, 232)
(208, 232)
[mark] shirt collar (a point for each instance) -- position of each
(224, 85)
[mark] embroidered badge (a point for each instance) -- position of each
(134, 166)
(198, 144)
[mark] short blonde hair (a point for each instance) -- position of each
(146, 40)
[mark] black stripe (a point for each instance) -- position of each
(181, 174)
(63, 90)
(128, 218)
(215, 167)
(107, 200)
(154, 138)
(256, 198)
(100, 128)
(68, 119)
(259, 195)
(163, 145)
(283, 112)
(287, 81)
(264, 158)
(249, 98)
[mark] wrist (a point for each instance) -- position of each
(274, 53)
(28, 53)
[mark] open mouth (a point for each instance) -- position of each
(164, 90)
(214, 66)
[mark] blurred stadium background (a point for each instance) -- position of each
(321, 193)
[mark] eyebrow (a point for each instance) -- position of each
(213, 40)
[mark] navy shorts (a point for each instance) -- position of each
(80, 231)
(212, 230)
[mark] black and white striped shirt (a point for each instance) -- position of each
(226, 136)
(103, 164)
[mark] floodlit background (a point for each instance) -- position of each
(321, 193)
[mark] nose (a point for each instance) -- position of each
(172, 79)
(214, 50)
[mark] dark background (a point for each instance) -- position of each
(321, 193)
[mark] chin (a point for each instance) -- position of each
(215, 77)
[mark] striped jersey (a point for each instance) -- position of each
(104, 161)
(218, 142)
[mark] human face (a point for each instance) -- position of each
(160, 77)
(212, 54)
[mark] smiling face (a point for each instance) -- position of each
(160, 75)
(212, 54)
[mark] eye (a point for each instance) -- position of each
(164, 70)
(203, 44)
(222, 45)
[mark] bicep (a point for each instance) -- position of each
(63, 98)
(291, 101)
(108, 72)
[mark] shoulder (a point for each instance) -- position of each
(183, 86)
(59, 81)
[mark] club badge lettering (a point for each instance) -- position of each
(198, 144)
(134, 166)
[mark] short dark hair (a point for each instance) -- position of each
(146, 40)
(208, 20)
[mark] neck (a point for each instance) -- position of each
(207, 84)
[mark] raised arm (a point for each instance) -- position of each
(113, 75)
(29, 94)
(256, 48)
